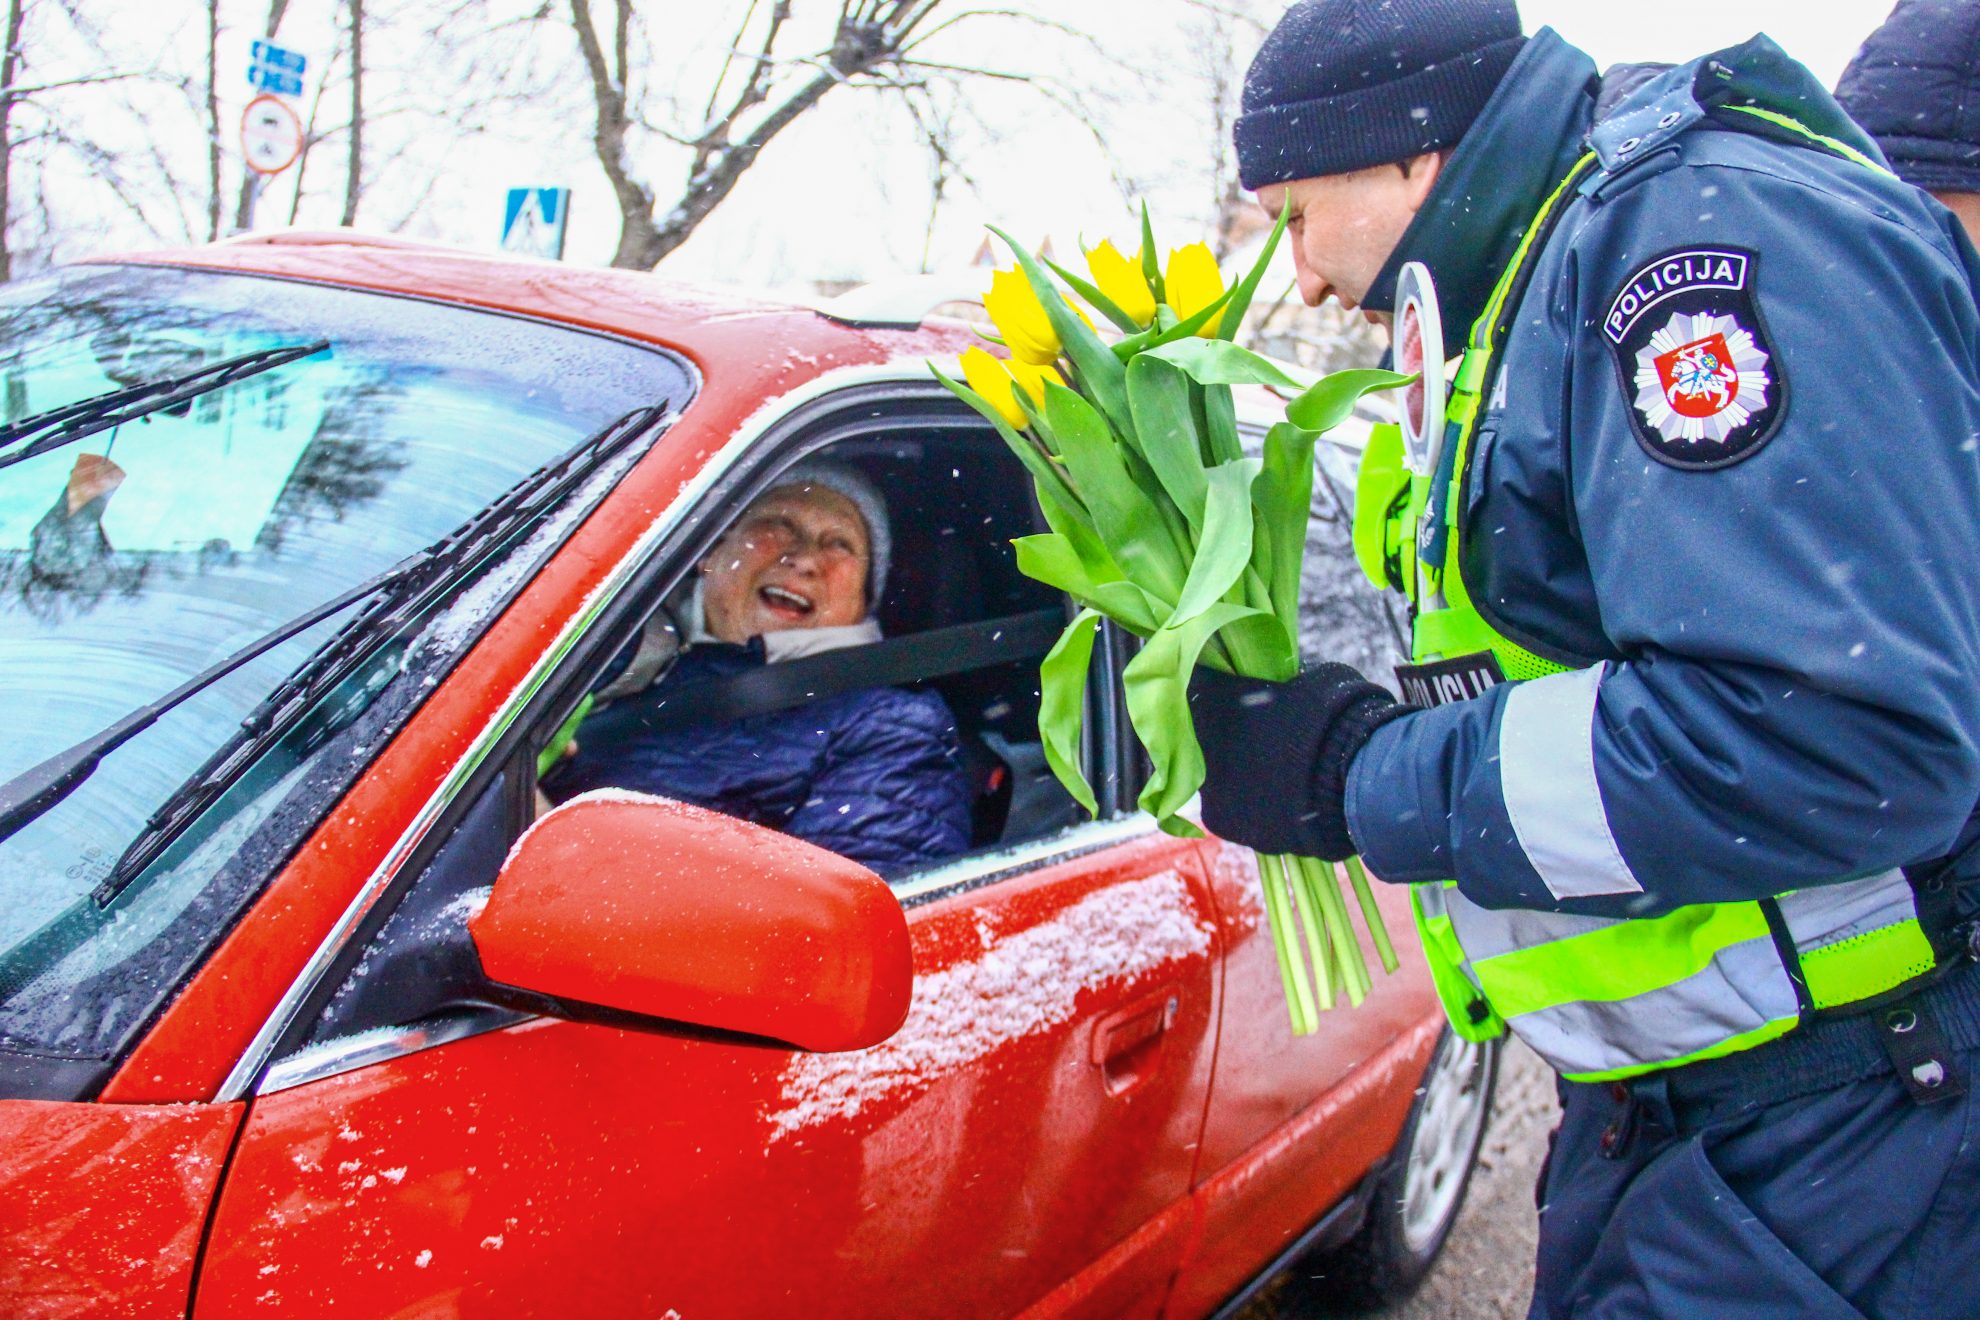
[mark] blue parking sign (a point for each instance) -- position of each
(276, 69)
(279, 57)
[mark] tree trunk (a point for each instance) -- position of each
(354, 173)
(10, 68)
(709, 186)
(212, 120)
(244, 207)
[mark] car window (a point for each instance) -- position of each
(421, 965)
(141, 555)
(955, 499)
(908, 770)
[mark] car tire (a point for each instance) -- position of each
(1417, 1196)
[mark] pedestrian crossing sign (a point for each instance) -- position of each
(533, 222)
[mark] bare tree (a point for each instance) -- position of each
(10, 69)
(212, 120)
(354, 172)
(251, 182)
(760, 88)
(1222, 37)
(52, 131)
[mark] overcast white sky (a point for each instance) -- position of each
(1048, 180)
(845, 192)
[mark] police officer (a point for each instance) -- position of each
(1915, 87)
(1704, 537)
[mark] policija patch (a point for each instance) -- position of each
(1703, 384)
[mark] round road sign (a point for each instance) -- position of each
(271, 135)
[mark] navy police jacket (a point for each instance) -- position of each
(1728, 472)
(874, 775)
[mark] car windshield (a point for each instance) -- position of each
(139, 556)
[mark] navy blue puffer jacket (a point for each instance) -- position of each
(875, 775)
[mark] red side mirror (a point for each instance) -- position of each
(658, 908)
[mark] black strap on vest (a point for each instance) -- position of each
(766, 688)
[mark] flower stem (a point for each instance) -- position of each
(1316, 931)
(1347, 949)
(1372, 915)
(1292, 968)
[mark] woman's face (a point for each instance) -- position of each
(797, 559)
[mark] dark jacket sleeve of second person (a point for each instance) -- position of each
(1791, 688)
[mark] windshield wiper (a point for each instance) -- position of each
(403, 594)
(43, 431)
(404, 589)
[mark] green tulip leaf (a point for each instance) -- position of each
(1165, 432)
(1100, 302)
(1157, 688)
(1078, 530)
(1225, 546)
(1130, 524)
(1051, 482)
(1062, 706)
(1283, 498)
(1051, 559)
(1220, 362)
(1328, 403)
(1220, 431)
(1248, 287)
(1151, 266)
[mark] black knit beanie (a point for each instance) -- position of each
(1341, 85)
(1915, 87)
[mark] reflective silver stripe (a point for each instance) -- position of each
(1431, 899)
(1547, 774)
(1742, 989)
(1830, 913)
(1489, 932)
(1433, 902)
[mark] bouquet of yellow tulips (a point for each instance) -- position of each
(1161, 522)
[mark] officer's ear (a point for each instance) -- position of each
(1420, 176)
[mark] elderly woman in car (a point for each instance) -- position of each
(876, 774)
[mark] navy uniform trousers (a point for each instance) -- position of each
(1800, 1179)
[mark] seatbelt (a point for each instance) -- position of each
(923, 655)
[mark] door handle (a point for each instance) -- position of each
(1127, 1042)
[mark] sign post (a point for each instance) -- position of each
(271, 131)
(534, 221)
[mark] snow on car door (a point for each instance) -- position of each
(1031, 1127)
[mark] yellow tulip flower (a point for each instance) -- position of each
(1120, 278)
(1032, 379)
(997, 382)
(1021, 321)
(1193, 282)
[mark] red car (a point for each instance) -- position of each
(308, 547)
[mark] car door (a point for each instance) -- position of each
(1029, 1134)
(1295, 1122)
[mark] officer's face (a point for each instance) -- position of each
(1344, 226)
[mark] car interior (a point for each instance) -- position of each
(957, 617)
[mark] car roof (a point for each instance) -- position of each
(739, 341)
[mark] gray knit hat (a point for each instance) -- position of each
(847, 480)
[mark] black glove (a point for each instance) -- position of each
(1276, 755)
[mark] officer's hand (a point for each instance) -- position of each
(1276, 755)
